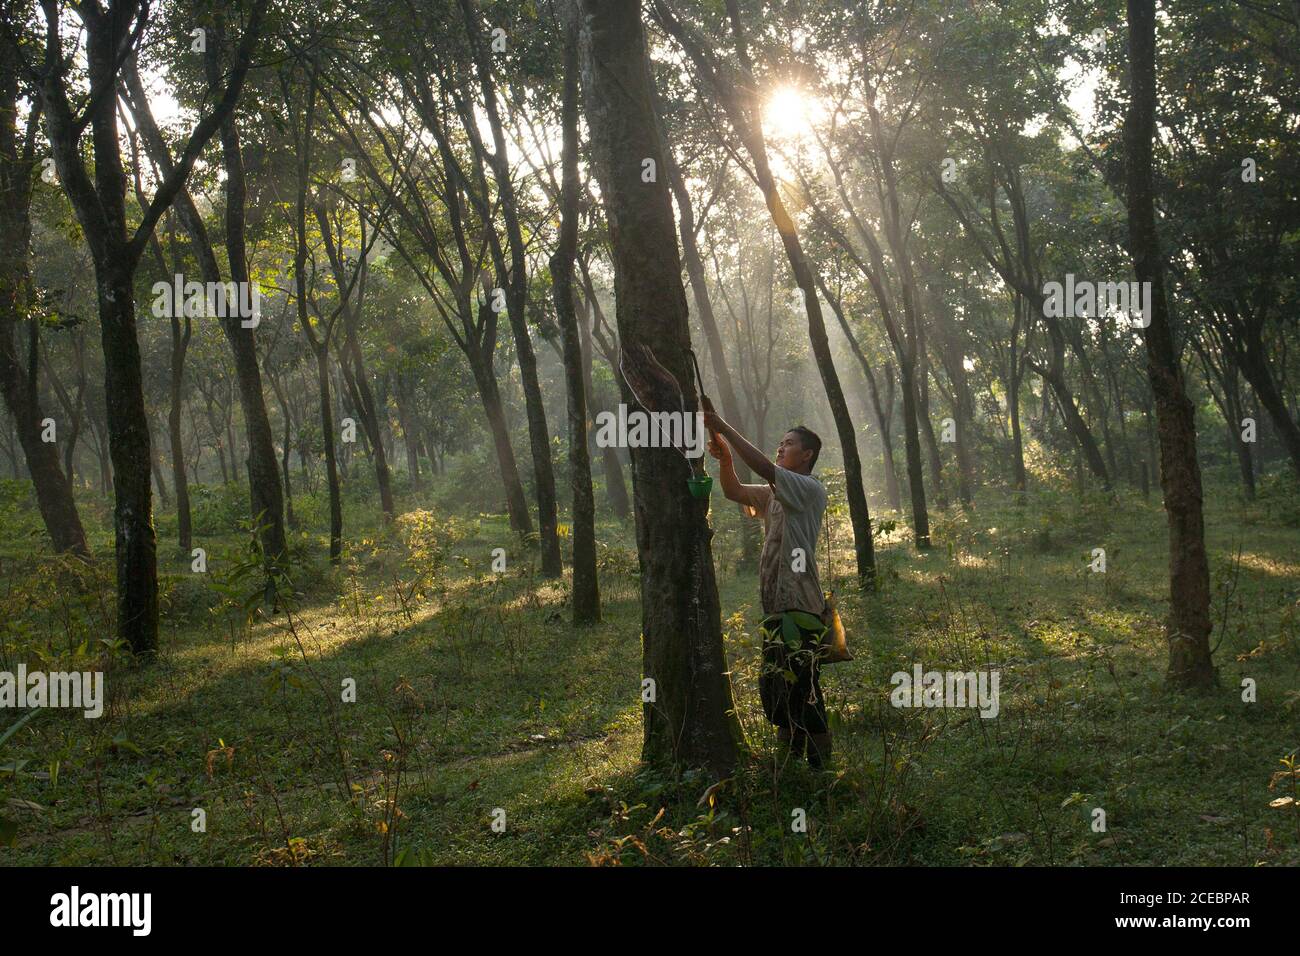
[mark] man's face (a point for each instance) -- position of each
(791, 455)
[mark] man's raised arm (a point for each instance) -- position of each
(751, 456)
(732, 487)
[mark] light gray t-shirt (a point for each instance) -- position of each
(792, 508)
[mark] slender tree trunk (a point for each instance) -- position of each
(700, 293)
(1261, 380)
(129, 448)
(885, 415)
(611, 467)
(882, 414)
(912, 449)
(689, 718)
(1188, 628)
(164, 495)
(266, 502)
(927, 431)
(406, 419)
(517, 293)
(1234, 409)
(1054, 377)
(521, 521)
(53, 490)
(287, 415)
(359, 382)
(1014, 378)
(331, 459)
(17, 385)
(352, 365)
(586, 590)
(180, 343)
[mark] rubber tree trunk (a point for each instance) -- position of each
(286, 449)
(180, 344)
(586, 590)
(160, 485)
(331, 458)
(1188, 627)
(539, 438)
(406, 417)
(352, 365)
(615, 487)
(688, 709)
(129, 447)
(18, 385)
(912, 455)
(885, 416)
(521, 521)
(1256, 370)
(882, 413)
(1015, 375)
(266, 502)
(700, 293)
(358, 381)
(53, 490)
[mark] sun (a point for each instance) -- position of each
(790, 115)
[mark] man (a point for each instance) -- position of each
(792, 503)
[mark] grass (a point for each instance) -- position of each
(477, 703)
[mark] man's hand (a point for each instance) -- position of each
(719, 448)
(751, 456)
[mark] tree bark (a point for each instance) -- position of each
(352, 364)
(611, 467)
(180, 343)
(1188, 628)
(700, 293)
(17, 385)
(689, 722)
(53, 490)
(406, 419)
(586, 590)
(490, 395)
(882, 413)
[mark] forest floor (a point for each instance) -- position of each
(477, 703)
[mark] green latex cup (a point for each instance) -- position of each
(700, 486)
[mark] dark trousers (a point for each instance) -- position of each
(789, 684)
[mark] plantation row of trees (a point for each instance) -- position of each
(461, 219)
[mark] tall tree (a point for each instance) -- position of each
(586, 592)
(689, 720)
(1188, 628)
(97, 191)
(514, 279)
(19, 385)
(440, 215)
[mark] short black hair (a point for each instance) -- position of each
(808, 439)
